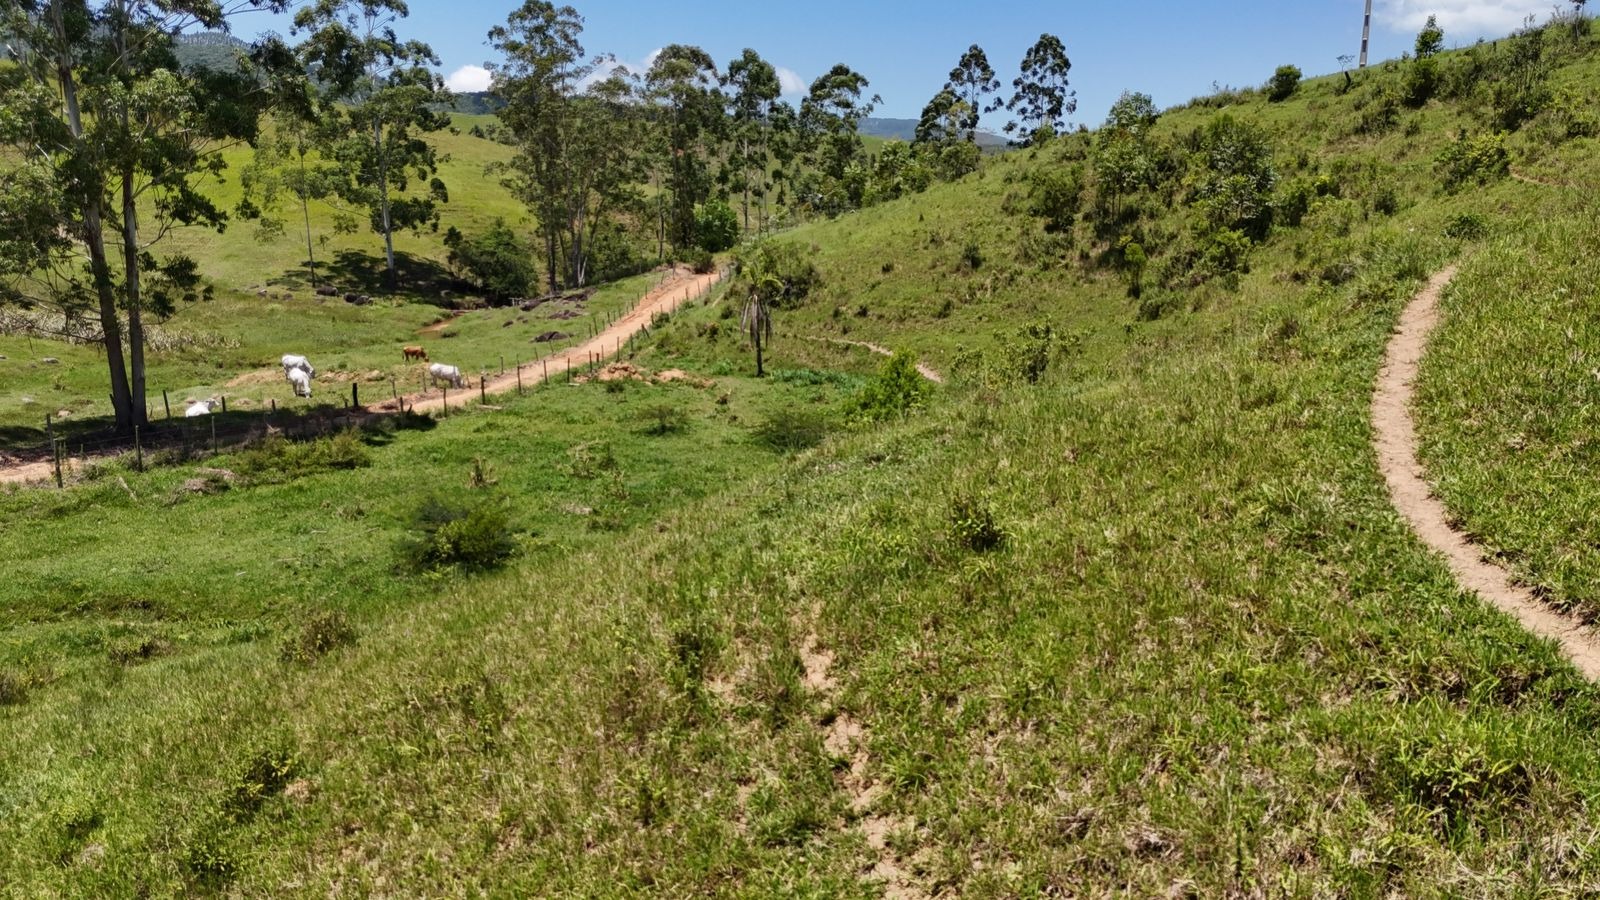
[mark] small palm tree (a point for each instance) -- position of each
(762, 286)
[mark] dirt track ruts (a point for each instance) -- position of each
(1395, 439)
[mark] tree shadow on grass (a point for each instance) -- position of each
(356, 272)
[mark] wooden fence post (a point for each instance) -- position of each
(138, 449)
(519, 379)
(213, 434)
(55, 453)
(224, 403)
(355, 394)
(483, 389)
(166, 403)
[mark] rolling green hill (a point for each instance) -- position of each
(1122, 608)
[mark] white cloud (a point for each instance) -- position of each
(1461, 19)
(607, 67)
(793, 85)
(469, 79)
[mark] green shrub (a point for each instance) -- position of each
(263, 774)
(1467, 227)
(973, 526)
(716, 227)
(502, 264)
(473, 536)
(278, 459)
(792, 429)
(794, 273)
(13, 689)
(972, 255)
(1055, 197)
(1479, 159)
(321, 634)
(1033, 349)
(1284, 82)
(1421, 82)
(897, 390)
(701, 261)
(663, 419)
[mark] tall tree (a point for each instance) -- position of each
(973, 79)
(683, 81)
(284, 167)
(830, 120)
(1043, 95)
(106, 134)
(941, 119)
(382, 97)
(578, 156)
(753, 88)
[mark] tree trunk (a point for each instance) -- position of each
(759, 372)
(132, 288)
(305, 212)
(94, 237)
(383, 199)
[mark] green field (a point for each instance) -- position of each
(1124, 610)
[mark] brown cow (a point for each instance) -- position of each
(415, 353)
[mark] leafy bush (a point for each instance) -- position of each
(792, 429)
(1480, 159)
(716, 227)
(701, 261)
(321, 634)
(897, 390)
(1055, 197)
(1467, 227)
(1284, 82)
(264, 773)
(278, 459)
(664, 418)
(1034, 347)
(1421, 82)
(502, 263)
(972, 255)
(473, 536)
(973, 526)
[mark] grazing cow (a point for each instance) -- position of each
(442, 372)
(410, 353)
(291, 362)
(201, 408)
(301, 380)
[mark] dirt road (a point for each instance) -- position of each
(1395, 439)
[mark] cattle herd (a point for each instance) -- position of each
(298, 371)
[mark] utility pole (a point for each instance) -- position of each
(1366, 34)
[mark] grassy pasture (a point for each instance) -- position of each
(1194, 652)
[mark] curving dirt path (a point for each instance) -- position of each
(923, 369)
(664, 298)
(1395, 439)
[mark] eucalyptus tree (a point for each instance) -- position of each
(753, 88)
(973, 79)
(683, 83)
(578, 158)
(1043, 95)
(830, 119)
(106, 137)
(381, 97)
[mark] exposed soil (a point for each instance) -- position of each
(923, 369)
(1395, 439)
(845, 737)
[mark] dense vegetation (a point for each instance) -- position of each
(1121, 608)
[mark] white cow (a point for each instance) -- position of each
(452, 374)
(301, 379)
(291, 362)
(201, 408)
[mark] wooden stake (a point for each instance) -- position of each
(166, 403)
(55, 453)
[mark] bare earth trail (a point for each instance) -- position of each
(923, 369)
(667, 297)
(1395, 439)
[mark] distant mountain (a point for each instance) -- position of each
(906, 129)
(476, 103)
(209, 50)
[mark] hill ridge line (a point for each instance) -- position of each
(1394, 438)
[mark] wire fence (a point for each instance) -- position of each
(182, 437)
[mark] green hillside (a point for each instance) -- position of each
(1121, 608)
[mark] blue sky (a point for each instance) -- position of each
(1171, 49)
